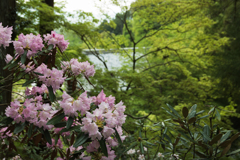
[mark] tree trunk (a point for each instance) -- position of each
(7, 18)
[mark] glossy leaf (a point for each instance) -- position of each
(81, 139)
(103, 146)
(56, 119)
(51, 94)
(47, 136)
(118, 137)
(70, 122)
(18, 128)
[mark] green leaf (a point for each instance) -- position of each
(169, 112)
(24, 57)
(186, 136)
(233, 152)
(56, 138)
(35, 62)
(200, 112)
(75, 128)
(18, 128)
(141, 148)
(28, 82)
(14, 64)
(51, 94)
(206, 133)
(30, 130)
(202, 117)
(47, 136)
(103, 146)
(174, 111)
(50, 47)
(56, 119)
(6, 121)
(205, 136)
(218, 115)
(40, 74)
(191, 114)
(60, 125)
(81, 139)
(118, 137)
(225, 136)
(185, 112)
(70, 122)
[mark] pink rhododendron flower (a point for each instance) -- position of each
(5, 35)
(30, 42)
(56, 39)
(78, 68)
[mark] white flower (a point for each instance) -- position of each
(131, 151)
(141, 157)
(145, 149)
(160, 155)
(174, 156)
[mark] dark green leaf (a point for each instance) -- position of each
(81, 139)
(50, 47)
(30, 129)
(118, 137)
(141, 148)
(24, 57)
(75, 128)
(56, 138)
(28, 82)
(6, 121)
(40, 74)
(18, 128)
(35, 62)
(206, 133)
(186, 136)
(51, 94)
(173, 110)
(56, 119)
(47, 136)
(169, 112)
(185, 112)
(60, 125)
(70, 122)
(103, 146)
(14, 64)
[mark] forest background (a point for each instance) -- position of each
(182, 53)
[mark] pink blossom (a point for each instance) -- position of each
(5, 35)
(30, 42)
(56, 39)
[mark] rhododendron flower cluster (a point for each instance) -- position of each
(28, 42)
(79, 67)
(33, 110)
(91, 120)
(50, 77)
(71, 106)
(5, 35)
(56, 39)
